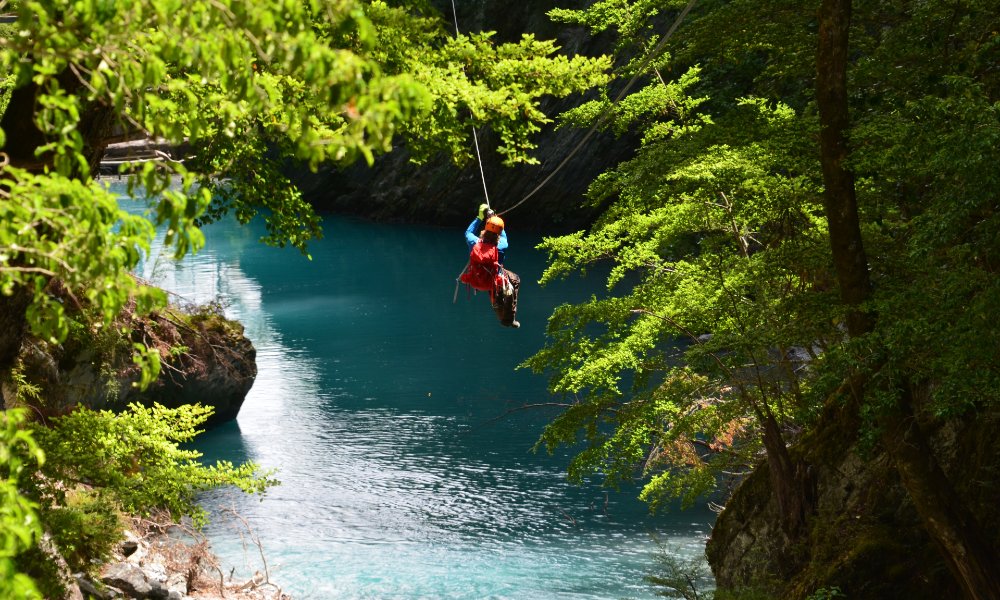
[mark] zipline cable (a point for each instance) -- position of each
(605, 115)
(593, 129)
(475, 138)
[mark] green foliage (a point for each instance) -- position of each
(136, 461)
(76, 478)
(85, 530)
(631, 22)
(74, 230)
(246, 89)
(211, 71)
(25, 393)
(665, 109)
(20, 527)
(6, 84)
(680, 578)
(827, 594)
(148, 361)
(475, 81)
(703, 238)
(722, 310)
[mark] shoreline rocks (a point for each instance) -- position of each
(172, 564)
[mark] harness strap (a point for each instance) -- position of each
(458, 281)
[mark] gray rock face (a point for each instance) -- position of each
(129, 578)
(217, 369)
(865, 537)
(176, 585)
(206, 358)
(87, 587)
(148, 581)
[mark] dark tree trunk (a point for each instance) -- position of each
(12, 325)
(942, 512)
(951, 525)
(24, 137)
(793, 488)
(839, 198)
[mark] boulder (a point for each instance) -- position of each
(205, 358)
(128, 577)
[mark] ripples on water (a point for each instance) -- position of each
(382, 405)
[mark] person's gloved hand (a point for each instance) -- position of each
(482, 211)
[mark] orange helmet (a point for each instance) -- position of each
(495, 224)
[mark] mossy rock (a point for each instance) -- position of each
(205, 358)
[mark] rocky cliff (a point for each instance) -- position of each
(204, 357)
(865, 537)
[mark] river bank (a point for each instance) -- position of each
(161, 559)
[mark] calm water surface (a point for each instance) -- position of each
(391, 414)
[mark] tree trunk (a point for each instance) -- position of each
(24, 137)
(839, 197)
(18, 123)
(793, 488)
(942, 512)
(952, 526)
(12, 325)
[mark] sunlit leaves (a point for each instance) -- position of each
(663, 109)
(476, 81)
(196, 72)
(136, 457)
(20, 527)
(704, 232)
(715, 230)
(73, 230)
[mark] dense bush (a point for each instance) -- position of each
(75, 477)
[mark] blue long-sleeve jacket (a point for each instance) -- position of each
(472, 236)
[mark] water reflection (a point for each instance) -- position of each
(378, 401)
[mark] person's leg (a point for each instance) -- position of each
(506, 304)
(515, 283)
(497, 298)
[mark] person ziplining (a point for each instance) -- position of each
(485, 271)
(486, 236)
(475, 228)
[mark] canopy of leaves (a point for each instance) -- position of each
(722, 309)
(246, 88)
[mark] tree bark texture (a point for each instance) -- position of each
(24, 137)
(951, 525)
(793, 488)
(839, 197)
(18, 123)
(942, 512)
(13, 322)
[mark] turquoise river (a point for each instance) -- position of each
(394, 419)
